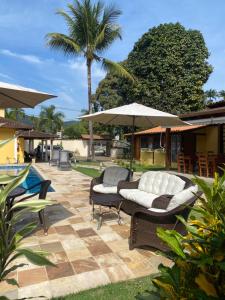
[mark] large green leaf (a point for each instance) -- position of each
(172, 239)
(36, 257)
(5, 179)
(33, 205)
(13, 184)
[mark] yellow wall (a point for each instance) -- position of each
(2, 112)
(21, 150)
(7, 151)
(209, 141)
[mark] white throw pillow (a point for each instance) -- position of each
(140, 197)
(105, 189)
(161, 183)
(182, 197)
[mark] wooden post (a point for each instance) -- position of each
(46, 150)
(168, 148)
(51, 148)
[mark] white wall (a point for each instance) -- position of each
(78, 146)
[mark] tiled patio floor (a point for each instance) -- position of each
(85, 257)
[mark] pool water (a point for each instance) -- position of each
(32, 178)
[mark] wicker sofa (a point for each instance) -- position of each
(154, 201)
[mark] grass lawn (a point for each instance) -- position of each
(143, 168)
(88, 171)
(117, 291)
(88, 163)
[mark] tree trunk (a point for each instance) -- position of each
(90, 144)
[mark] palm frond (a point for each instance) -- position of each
(116, 68)
(69, 20)
(111, 33)
(59, 41)
(111, 14)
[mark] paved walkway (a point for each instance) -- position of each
(85, 257)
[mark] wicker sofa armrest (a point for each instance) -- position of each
(127, 185)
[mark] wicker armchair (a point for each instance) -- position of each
(144, 222)
(108, 196)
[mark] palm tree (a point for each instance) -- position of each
(92, 29)
(211, 94)
(15, 114)
(222, 94)
(50, 120)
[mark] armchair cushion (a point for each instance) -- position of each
(182, 197)
(140, 197)
(158, 210)
(161, 183)
(105, 189)
(112, 175)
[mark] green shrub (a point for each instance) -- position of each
(198, 272)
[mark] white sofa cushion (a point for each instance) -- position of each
(160, 183)
(140, 197)
(105, 189)
(112, 175)
(182, 197)
(159, 210)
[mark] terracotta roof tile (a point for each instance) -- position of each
(8, 123)
(159, 129)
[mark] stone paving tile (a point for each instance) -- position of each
(61, 270)
(52, 247)
(84, 265)
(119, 273)
(86, 232)
(65, 229)
(28, 277)
(85, 257)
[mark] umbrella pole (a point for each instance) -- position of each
(132, 144)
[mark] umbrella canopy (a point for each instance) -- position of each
(135, 115)
(16, 96)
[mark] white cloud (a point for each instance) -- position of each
(5, 76)
(66, 97)
(97, 72)
(26, 57)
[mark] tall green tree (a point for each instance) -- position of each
(211, 94)
(171, 65)
(15, 113)
(222, 94)
(75, 130)
(50, 120)
(92, 28)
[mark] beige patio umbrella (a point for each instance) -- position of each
(16, 96)
(135, 115)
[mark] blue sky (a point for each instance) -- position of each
(25, 59)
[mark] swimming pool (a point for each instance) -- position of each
(33, 177)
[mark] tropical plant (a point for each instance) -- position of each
(222, 94)
(198, 271)
(50, 120)
(92, 29)
(211, 95)
(74, 131)
(11, 236)
(15, 113)
(171, 65)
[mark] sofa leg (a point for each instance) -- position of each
(131, 247)
(93, 212)
(118, 214)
